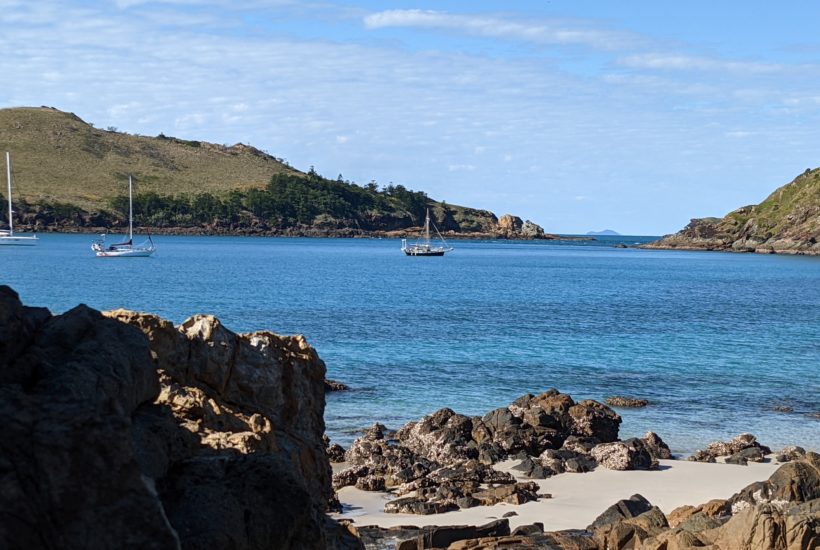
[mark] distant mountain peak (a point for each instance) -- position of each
(604, 232)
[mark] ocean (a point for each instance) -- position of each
(715, 341)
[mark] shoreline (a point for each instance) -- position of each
(350, 233)
(577, 498)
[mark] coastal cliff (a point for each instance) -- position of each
(787, 222)
(122, 430)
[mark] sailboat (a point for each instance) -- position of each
(7, 236)
(125, 249)
(423, 247)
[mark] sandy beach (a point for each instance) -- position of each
(577, 499)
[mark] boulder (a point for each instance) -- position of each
(656, 447)
(593, 419)
(630, 454)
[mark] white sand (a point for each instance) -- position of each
(577, 498)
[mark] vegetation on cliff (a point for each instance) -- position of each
(70, 176)
(787, 222)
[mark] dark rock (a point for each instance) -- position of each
(332, 385)
(623, 509)
(419, 506)
(370, 483)
(626, 402)
(123, 430)
(509, 515)
(533, 470)
(528, 530)
(593, 419)
(787, 454)
(656, 447)
(728, 448)
(750, 454)
(630, 454)
(442, 537)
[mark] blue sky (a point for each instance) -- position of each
(578, 115)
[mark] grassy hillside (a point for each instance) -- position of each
(71, 176)
(787, 221)
(57, 157)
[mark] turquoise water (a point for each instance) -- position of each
(714, 340)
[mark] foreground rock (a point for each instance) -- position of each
(444, 461)
(782, 513)
(157, 436)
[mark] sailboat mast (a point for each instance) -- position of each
(8, 179)
(130, 212)
(427, 226)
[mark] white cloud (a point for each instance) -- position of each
(342, 139)
(544, 32)
(684, 62)
(461, 167)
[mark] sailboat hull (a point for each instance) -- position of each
(133, 253)
(411, 252)
(15, 240)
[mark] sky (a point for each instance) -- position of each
(579, 115)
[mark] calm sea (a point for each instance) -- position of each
(714, 340)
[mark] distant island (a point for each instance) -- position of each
(787, 222)
(70, 177)
(605, 232)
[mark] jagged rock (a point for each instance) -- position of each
(727, 448)
(593, 419)
(630, 454)
(441, 437)
(626, 402)
(528, 530)
(580, 445)
(563, 460)
(333, 385)
(533, 470)
(768, 527)
(417, 505)
(517, 493)
(370, 483)
(152, 435)
(656, 447)
(797, 481)
(631, 532)
(623, 509)
(790, 453)
(750, 454)
(335, 452)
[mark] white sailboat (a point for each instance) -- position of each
(125, 249)
(7, 236)
(423, 247)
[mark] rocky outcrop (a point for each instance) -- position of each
(626, 402)
(123, 430)
(782, 513)
(444, 461)
(786, 222)
(740, 450)
(512, 227)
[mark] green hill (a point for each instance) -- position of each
(787, 222)
(70, 176)
(57, 157)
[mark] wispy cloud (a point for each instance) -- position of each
(545, 32)
(681, 62)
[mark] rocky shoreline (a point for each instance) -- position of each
(123, 430)
(310, 232)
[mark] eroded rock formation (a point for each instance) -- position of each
(121, 430)
(444, 461)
